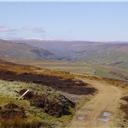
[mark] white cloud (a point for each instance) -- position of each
(7, 29)
(23, 29)
(22, 32)
(33, 29)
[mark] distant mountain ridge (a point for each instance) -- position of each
(83, 50)
(10, 49)
(103, 59)
(90, 52)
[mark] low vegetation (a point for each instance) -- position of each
(41, 107)
(45, 105)
(52, 104)
(124, 112)
(124, 106)
(61, 81)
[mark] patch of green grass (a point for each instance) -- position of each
(106, 73)
(9, 94)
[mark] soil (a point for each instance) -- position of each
(107, 99)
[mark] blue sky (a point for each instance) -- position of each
(94, 21)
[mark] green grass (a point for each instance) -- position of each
(8, 94)
(105, 73)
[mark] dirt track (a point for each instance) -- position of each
(106, 100)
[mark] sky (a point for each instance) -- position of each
(92, 21)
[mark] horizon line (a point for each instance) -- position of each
(61, 40)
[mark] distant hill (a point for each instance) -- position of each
(10, 49)
(108, 53)
(106, 59)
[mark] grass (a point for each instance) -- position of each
(8, 94)
(105, 73)
(15, 77)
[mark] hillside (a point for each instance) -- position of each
(110, 53)
(50, 102)
(105, 59)
(58, 99)
(9, 49)
(91, 52)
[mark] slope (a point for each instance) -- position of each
(12, 50)
(51, 99)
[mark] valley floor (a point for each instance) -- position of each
(101, 111)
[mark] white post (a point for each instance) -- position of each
(23, 94)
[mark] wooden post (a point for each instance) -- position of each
(23, 94)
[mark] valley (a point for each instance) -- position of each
(63, 64)
(64, 92)
(96, 58)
